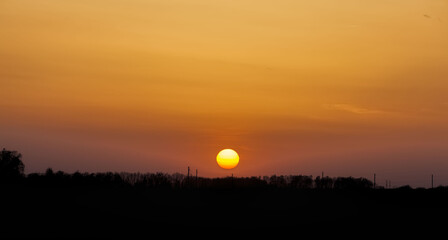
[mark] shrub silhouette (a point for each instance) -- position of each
(11, 165)
(351, 183)
(301, 182)
(323, 183)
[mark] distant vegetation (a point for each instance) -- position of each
(12, 168)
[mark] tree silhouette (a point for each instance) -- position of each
(350, 183)
(323, 183)
(11, 165)
(301, 182)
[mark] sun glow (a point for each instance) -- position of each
(227, 159)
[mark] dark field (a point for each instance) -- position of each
(111, 211)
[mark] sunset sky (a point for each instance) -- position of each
(347, 87)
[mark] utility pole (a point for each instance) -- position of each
(432, 180)
(322, 174)
(374, 180)
(188, 176)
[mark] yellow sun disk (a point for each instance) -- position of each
(227, 159)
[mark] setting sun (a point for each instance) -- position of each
(227, 159)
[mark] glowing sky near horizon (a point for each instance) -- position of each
(347, 87)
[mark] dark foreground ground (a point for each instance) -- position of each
(127, 212)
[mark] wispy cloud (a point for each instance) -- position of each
(353, 108)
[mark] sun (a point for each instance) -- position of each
(227, 159)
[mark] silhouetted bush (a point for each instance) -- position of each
(278, 181)
(301, 182)
(11, 166)
(351, 183)
(405, 187)
(323, 183)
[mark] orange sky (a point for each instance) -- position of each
(295, 87)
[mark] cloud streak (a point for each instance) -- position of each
(353, 109)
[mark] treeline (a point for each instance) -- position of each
(12, 171)
(180, 181)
